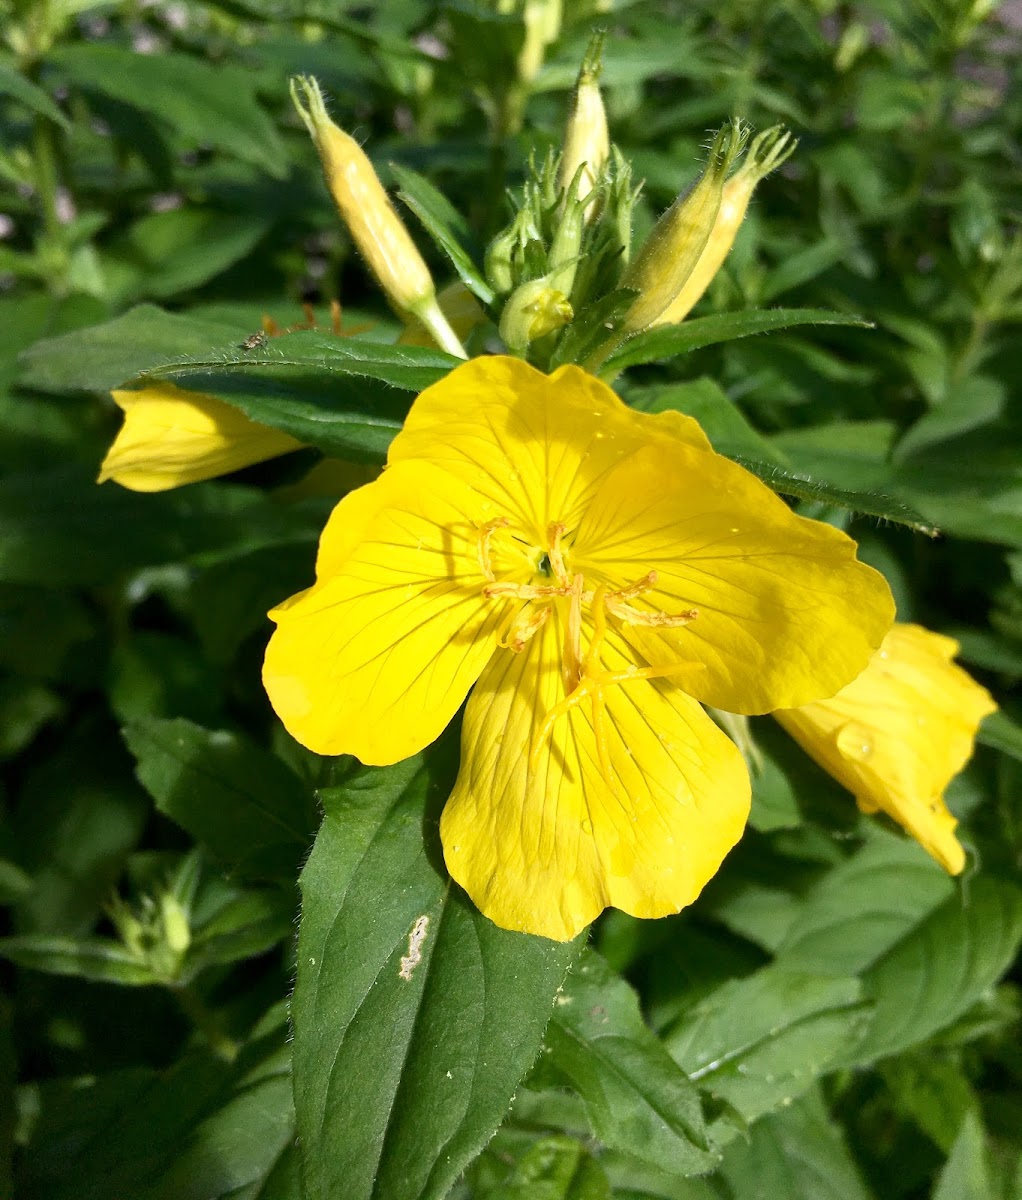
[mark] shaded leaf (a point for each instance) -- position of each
(249, 809)
(939, 970)
(13, 83)
(445, 225)
(100, 959)
(636, 1097)
(205, 103)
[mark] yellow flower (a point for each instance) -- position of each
(899, 733)
(580, 564)
(170, 437)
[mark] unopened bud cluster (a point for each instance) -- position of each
(559, 282)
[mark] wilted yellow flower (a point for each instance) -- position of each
(898, 734)
(594, 572)
(375, 227)
(768, 150)
(171, 437)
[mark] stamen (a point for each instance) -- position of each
(486, 532)
(335, 316)
(658, 620)
(555, 531)
(524, 591)
(523, 627)
(572, 665)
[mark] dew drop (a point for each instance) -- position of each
(587, 826)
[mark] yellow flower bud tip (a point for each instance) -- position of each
(587, 139)
(375, 227)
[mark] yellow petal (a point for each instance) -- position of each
(538, 446)
(171, 437)
(543, 841)
(786, 614)
(375, 659)
(899, 733)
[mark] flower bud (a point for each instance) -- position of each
(671, 252)
(534, 310)
(768, 150)
(171, 437)
(586, 141)
(375, 227)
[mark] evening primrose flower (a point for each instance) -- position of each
(171, 437)
(897, 735)
(595, 573)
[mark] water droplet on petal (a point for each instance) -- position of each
(587, 826)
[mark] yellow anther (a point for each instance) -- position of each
(486, 532)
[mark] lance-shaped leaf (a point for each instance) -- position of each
(414, 1016)
(667, 341)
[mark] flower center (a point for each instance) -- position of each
(584, 675)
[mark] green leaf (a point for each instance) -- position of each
(862, 908)
(939, 970)
(667, 341)
(346, 396)
(757, 1043)
(414, 1016)
(99, 959)
(636, 1097)
(966, 1175)
(206, 103)
(797, 1154)
(556, 1168)
(445, 225)
(721, 419)
(249, 809)
(13, 83)
(869, 503)
(101, 357)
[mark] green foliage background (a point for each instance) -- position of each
(834, 1018)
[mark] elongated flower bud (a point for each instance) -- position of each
(671, 252)
(768, 150)
(375, 227)
(586, 141)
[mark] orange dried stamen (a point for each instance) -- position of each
(524, 626)
(486, 532)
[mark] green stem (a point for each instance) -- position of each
(197, 1011)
